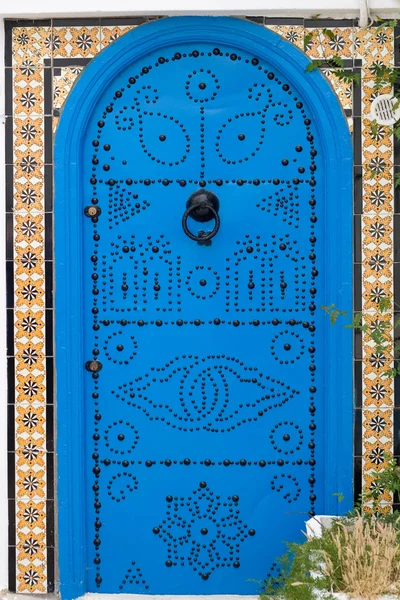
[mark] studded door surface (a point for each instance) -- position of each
(205, 437)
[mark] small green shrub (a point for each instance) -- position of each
(358, 555)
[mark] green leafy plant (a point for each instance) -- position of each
(357, 555)
(335, 63)
(383, 76)
(388, 479)
(377, 331)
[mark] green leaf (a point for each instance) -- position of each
(384, 305)
(396, 131)
(339, 496)
(347, 76)
(397, 180)
(313, 66)
(308, 38)
(329, 33)
(333, 313)
(337, 61)
(384, 24)
(392, 373)
(374, 128)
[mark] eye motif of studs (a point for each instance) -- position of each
(210, 531)
(211, 407)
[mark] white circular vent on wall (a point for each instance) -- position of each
(383, 111)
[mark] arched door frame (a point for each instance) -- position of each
(335, 138)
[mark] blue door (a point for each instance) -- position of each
(203, 274)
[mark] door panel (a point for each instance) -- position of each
(205, 425)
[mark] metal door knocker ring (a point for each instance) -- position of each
(202, 206)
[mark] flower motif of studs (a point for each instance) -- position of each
(206, 532)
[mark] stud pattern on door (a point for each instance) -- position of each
(204, 419)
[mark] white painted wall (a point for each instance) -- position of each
(76, 8)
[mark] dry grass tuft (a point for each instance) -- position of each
(368, 557)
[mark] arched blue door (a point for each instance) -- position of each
(203, 208)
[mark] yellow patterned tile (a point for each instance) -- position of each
(79, 42)
(377, 423)
(322, 45)
(31, 546)
(30, 292)
(30, 420)
(62, 84)
(344, 91)
(376, 135)
(111, 33)
(374, 44)
(29, 324)
(29, 228)
(30, 388)
(378, 197)
(30, 451)
(28, 99)
(28, 195)
(291, 33)
(376, 361)
(383, 509)
(31, 483)
(377, 230)
(378, 322)
(378, 262)
(378, 164)
(85, 41)
(29, 260)
(378, 391)
(28, 133)
(31, 579)
(28, 71)
(374, 455)
(31, 515)
(28, 163)
(28, 41)
(29, 355)
(370, 486)
(53, 39)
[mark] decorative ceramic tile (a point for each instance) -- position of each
(75, 42)
(63, 80)
(374, 44)
(292, 33)
(28, 195)
(343, 90)
(326, 42)
(110, 33)
(43, 75)
(28, 100)
(28, 43)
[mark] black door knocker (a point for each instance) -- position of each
(202, 206)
